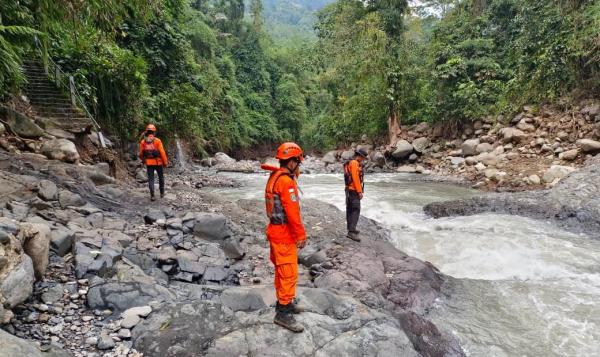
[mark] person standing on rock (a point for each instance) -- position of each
(355, 186)
(154, 157)
(285, 231)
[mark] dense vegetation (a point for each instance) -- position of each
(230, 74)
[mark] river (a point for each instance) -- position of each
(524, 287)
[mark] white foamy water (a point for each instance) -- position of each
(524, 288)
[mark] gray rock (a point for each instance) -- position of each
(232, 248)
(569, 155)
(22, 125)
(130, 321)
(36, 238)
(18, 284)
(211, 226)
(421, 144)
(141, 176)
(315, 258)
(556, 172)
(122, 296)
(243, 299)
(224, 159)
(483, 148)
(105, 342)
(12, 346)
(4, 237)
(403, 150)
(68, 198)
(330, 158)
(422, 127)
(61, 241)
(154, 215)
(347, 155)
(141, 311)
(589, 146)
(54, 294)
(513, 135)
(215, 274)
(456, 161)
(189, 266)
(60, 149)
(47, 190)
(469, 147)
(379, 159)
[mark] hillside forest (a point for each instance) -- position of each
(229, 75)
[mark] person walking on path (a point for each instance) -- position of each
(152, 154)
(285, 231)
(355, 186)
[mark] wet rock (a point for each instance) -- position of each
(47, 190)
(589, 146)
(469, 147)
(60, 149)
(211, 226)
(403, 150)
(36, 238)
(18, 284)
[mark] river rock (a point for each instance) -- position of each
(330, 158)
(141, 311)
(130, 321)
(47, 190)
(224, 159)
(589, 146)
(105, 342)
(557, 172)
(422, 127)
(347, 155)
(378, 159)
(525, 126)
(456, 161)
(469, 147)
(18, 284)
(155, 216)
(68, 198)
(513, 135)
(211, 226)
(484, 147)
(406, 169)
(403, 150)
(12, 346)
(60, 149)
(141, 175)
(421, 144)
(534, 179)
(569, 155)
(232, 248)
(36, 238)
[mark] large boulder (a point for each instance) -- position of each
(469, 147)
(36, 244)
(20, 124)
(223, 159)
(13, 346)
(421, 144)
(60, 149)
(589, 146)
(330, 158)
(211, 226)
(403, 150)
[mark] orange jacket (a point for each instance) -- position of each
(281, 184)
(156, 144)
(354, 176)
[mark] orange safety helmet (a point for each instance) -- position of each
(288, 151)
(150, 127)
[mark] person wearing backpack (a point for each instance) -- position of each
(355, 186)
(154, 157)
(285, 231)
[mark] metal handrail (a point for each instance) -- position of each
(59, 76)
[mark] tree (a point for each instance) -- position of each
(256, 7)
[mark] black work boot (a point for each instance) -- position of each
(354, 236)
(284, 318)
(295, 309)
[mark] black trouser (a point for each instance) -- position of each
(352, 210)
(161, 178)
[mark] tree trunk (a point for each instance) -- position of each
(394, 130)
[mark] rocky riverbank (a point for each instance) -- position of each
(573, 203)
(90, 267)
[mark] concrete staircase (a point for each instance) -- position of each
(53, 107)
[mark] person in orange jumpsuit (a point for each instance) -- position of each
(152, 154)
(285, 231)
(355, 186)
